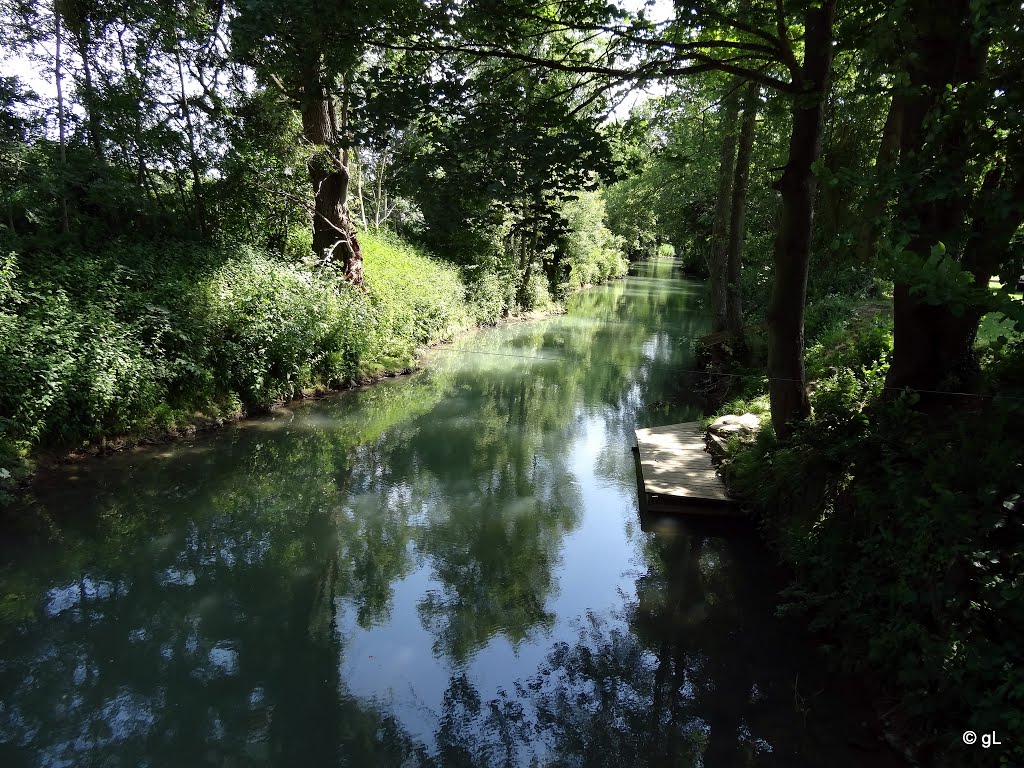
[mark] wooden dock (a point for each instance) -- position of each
(676, 473)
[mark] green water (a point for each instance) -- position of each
(447, 569)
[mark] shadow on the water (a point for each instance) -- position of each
(446, 570)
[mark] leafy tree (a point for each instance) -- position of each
(961, 190)
(500, 163)
(718, 258)
(753, 41)
(17, 134)
(314, 55)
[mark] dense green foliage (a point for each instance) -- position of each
(164, 247)
(415, 301)
(887, 472)
(130, 339)
(203, 217)
(911, 572)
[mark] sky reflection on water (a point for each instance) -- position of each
(445, 569)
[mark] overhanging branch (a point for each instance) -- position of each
(651, 70)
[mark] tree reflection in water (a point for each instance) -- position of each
(219, 603)
(689, 674)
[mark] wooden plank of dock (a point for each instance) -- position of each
(676, 472)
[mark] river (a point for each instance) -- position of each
(443, 569)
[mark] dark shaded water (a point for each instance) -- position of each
(447, 569)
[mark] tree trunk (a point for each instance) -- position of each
(193, 155)
(875, 203)
(932, 347)
(717, 267)
(380, 206)
(359, 191)
(83, 38)
(125, 147)
(58, 76)
(737, 223)
(526, 264)
(791, 257)
(333, 232)
(936, 346)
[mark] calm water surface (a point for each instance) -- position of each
(447, 569)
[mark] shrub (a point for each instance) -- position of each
(276, 329)
(842, 334)
(414, 299)
(912, 571)
(490, 295)
(139, 336)
(69, 369)
(594, 254)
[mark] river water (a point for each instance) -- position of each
(444, 569)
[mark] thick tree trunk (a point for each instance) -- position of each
(717, 257)
(932, 347)
(791, 257)
(334, 236)
(936, 346)
(737, 223)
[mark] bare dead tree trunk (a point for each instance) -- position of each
(333, 232)
(737, 222)
(791, 257)
(717, 267)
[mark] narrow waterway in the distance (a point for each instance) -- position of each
(447, 569)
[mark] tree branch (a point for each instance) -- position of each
(658, 69)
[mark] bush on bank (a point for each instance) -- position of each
(414, 300)
(907, 557)
(143, 337)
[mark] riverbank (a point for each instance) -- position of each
(417, 560)
(122, 348)
(908, 571)
(199, 423)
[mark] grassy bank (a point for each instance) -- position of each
(138, 339)
(904, 530)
